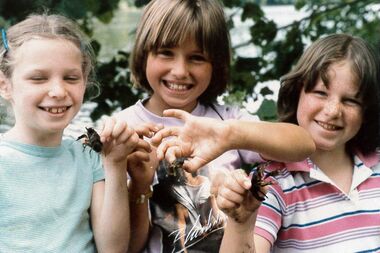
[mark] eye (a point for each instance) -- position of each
(320, 93)
(352, 101)
(38, 78)
(198, 58)
(72, 79)
(165, 52)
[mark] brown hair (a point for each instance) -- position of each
(315, 63)
(168, 23)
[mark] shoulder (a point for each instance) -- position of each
(133, 115)
(83, 157)
(128, 112)
(230, 112)
(78, 151)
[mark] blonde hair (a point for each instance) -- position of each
(168, 23)
(52, 27)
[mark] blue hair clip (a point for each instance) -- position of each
(5, 40)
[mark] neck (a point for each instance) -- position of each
(34, 138)
(157, 106)
(338, 165)
(331, 160)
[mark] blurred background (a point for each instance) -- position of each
(267, 37)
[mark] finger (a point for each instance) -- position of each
(217, 180)
(234, 184)
(193, 164)
(172, 153)
(119, 128)
(123, 135)
(242, 179)
(224, 203)
(139, 156)
(108, 125)
(148, 129)
(176, 113)
(231, 195)
(164, 133)
(144, 145)
(162, 149)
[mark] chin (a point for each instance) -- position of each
(326, 147)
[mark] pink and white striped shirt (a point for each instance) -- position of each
(307, 212)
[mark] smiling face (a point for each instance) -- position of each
(178, 76)
(332, 115)
(45, 90)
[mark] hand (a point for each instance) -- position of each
(142, 165)
(235, 199)
(201, 140)
(119, 141)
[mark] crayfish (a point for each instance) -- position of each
(258, 179)
(175, 171)
(92, 140)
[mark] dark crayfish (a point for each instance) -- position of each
(258, 180)
(175, 170)
(92, 140)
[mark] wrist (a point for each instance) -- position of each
(243, 226)
(232, 134)
(138, 187)
(140, 196)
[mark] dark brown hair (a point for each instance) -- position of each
(315, 63)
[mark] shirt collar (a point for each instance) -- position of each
(368, 160)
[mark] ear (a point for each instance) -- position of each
(5, 86)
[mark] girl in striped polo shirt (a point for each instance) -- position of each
(330, 201)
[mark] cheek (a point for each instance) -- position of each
(77, 92)
(153, 64)
(302, 108)
(203, 75)
(355, 118)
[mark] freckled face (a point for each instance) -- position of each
(332, 115)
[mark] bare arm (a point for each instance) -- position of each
(110, 203)
(142, 166)
(203, 139)
(274, 141)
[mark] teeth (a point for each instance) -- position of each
(56, 110)
(175, 86)
(328, 126)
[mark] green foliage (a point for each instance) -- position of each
(76, 9)
(278, 48)
(267, 110)
(117, 91)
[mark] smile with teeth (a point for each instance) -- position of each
(176, 86)
(328, 126)
(55, 110)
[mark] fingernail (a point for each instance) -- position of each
(247, 184)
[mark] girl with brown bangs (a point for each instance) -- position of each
(181, 57)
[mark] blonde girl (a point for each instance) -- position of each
(56, 195)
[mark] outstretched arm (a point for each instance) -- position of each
(110, 206)
(203, 139)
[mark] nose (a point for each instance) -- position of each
(180, 68)
(333, 108)
(57, 90)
